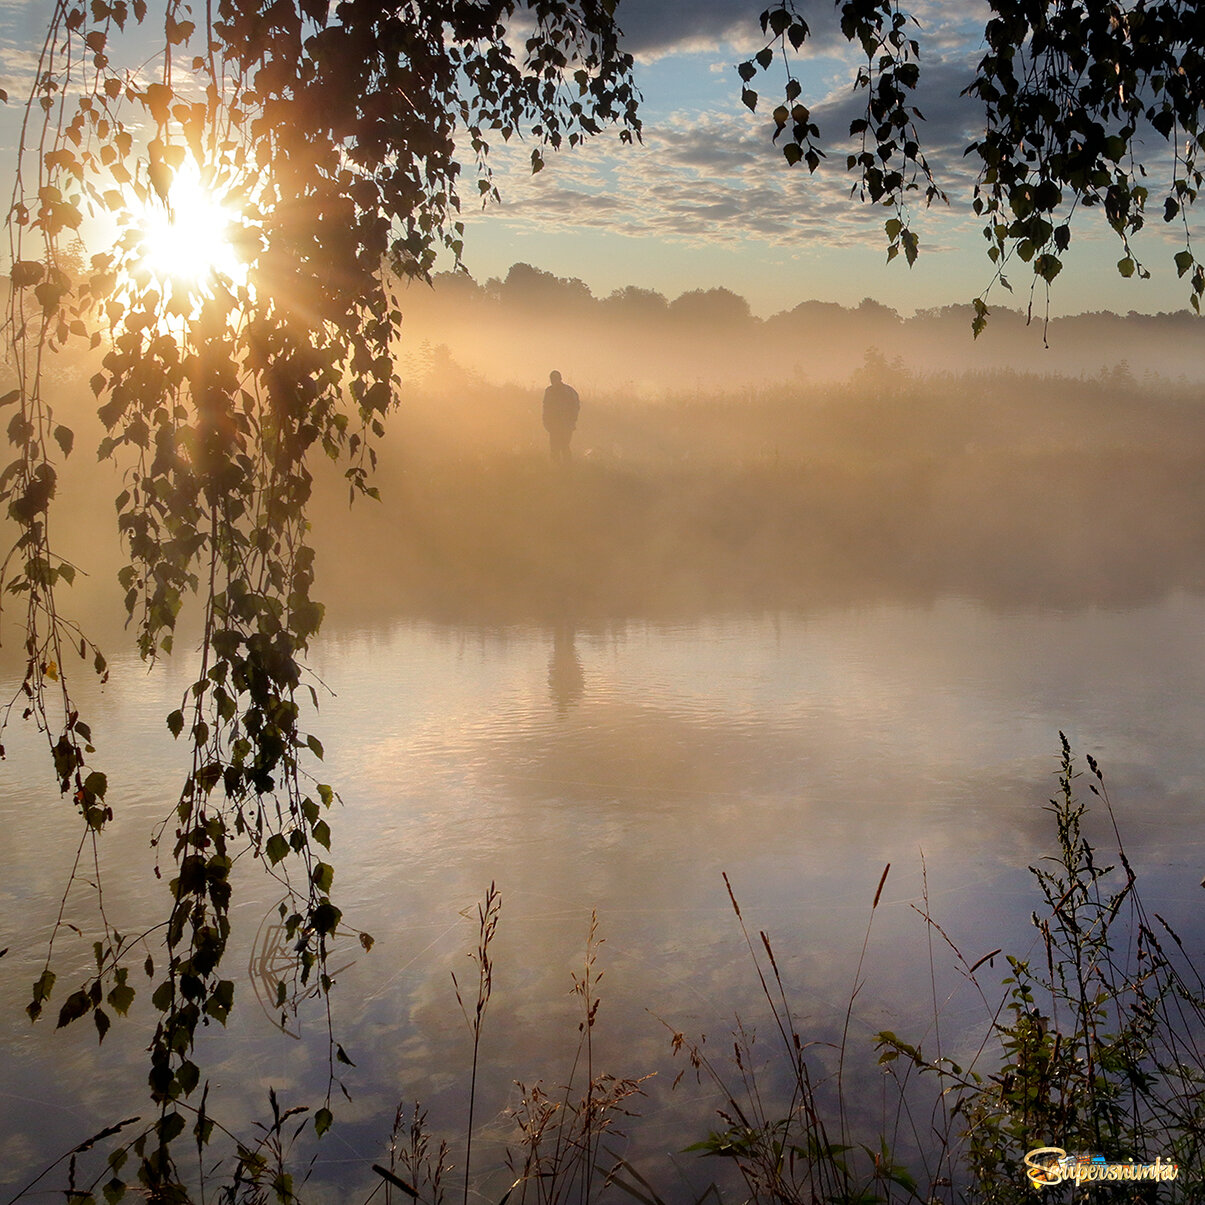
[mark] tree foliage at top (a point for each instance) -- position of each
(338, 139)
(1077, 97)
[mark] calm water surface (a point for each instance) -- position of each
(624, 770)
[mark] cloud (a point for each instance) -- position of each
(694, 186)
(716, 177)
(652, 27)
(19, 64)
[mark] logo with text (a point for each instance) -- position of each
(1049, 1165)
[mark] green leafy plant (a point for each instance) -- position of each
(1096, 1044)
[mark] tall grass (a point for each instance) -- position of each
(555, 1152)
(487, 925)
(797, 1149)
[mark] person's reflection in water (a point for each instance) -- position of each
(566, 682)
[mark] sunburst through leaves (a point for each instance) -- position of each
(188, 237)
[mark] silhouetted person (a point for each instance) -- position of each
(561, 405)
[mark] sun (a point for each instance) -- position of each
(188, 239)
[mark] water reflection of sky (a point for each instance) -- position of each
(625, 769)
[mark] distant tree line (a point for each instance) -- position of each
(533, 288)
(504, 328)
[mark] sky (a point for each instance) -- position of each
(708, 200)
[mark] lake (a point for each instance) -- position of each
(624, 766)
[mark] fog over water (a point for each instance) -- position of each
(816, 593)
